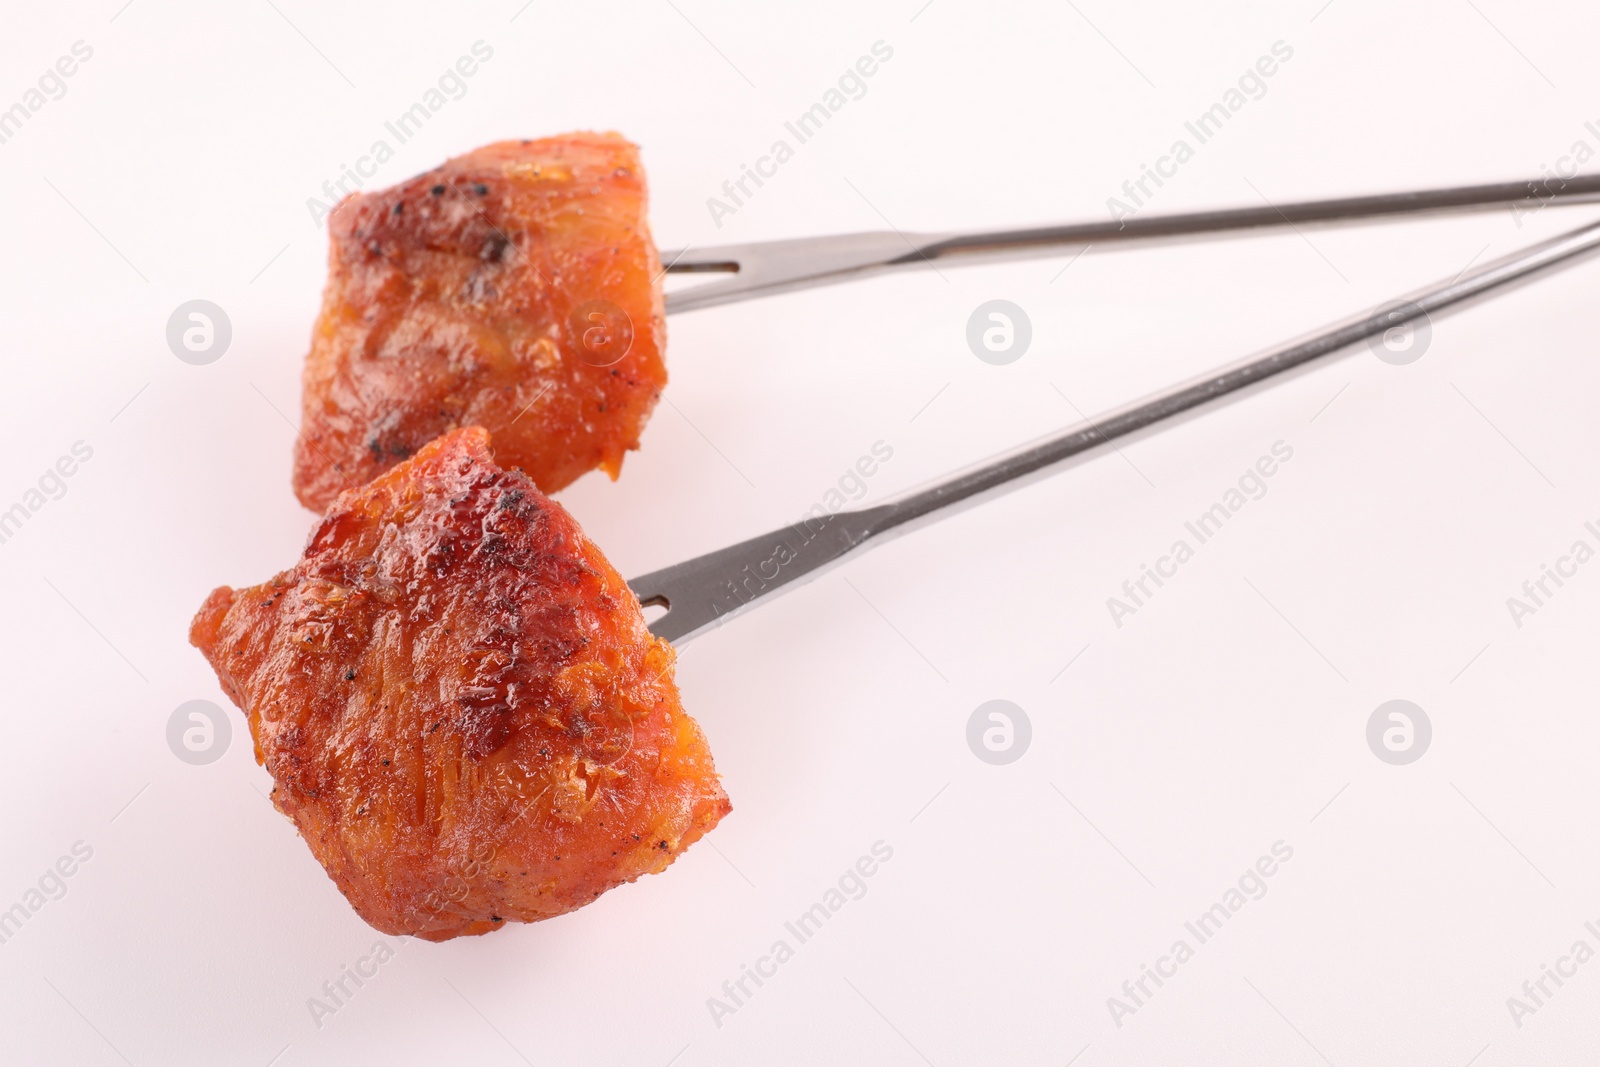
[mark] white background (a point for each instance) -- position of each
(1228, 714)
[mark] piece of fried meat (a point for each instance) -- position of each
(460, 703)
(515, 288)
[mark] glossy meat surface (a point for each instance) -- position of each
(515, 288)
(460, 703)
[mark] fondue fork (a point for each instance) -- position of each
(703, 592)
(772, 267)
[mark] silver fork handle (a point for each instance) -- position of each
(771, 267)
(702, 592)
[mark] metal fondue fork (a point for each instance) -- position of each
(774, 267)
(700, 593)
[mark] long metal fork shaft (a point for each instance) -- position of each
(772, 267)
(702, 592)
